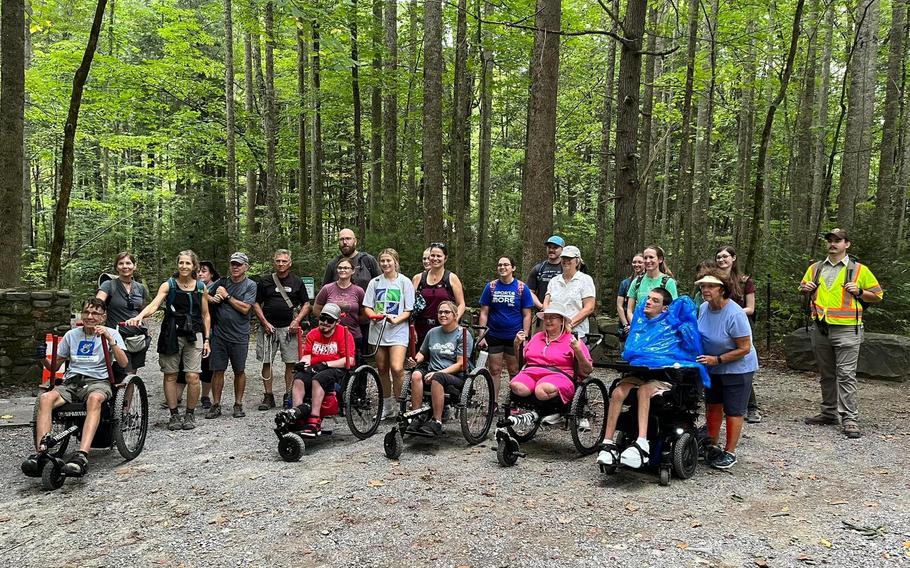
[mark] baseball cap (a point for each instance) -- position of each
(556, 240)
(240, 257)
(331, 310)
(839, 233)
(571, 252)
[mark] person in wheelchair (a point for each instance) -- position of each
(637, 454)
(438, 364)
(86, 380)
(328, 354)
(551, 357)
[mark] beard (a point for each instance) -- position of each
(346, 250)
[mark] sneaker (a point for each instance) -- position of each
(214, 411)
(553, 419)
(205, 402)
(416, 424)
(712, 453)
(636, 455)
(725, 460)
(189, 421)
(821, 420)
(524, 420)
(852, 431)
(432, 428)
(608, 454)
(175, 423)
(753, 417)
(313, 427)
(77, 465)
(389, 409)
(268, 401)
(238, 411)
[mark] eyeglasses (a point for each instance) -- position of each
(344, 268)
(444, 312)
(501, 264)
(723, 256)
(551, 316)
(93, 314)
(327, 319)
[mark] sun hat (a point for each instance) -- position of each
(708, 279)
(557, 309)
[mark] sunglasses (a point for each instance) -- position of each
(439, 245)
(327, 319)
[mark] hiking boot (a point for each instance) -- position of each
(77, 465)
(214, 411)
(432, 428)
(189, 421)
(416, 424)
(175, 423)
(821, 420)
(712, 453)
(852, 431)
(268, 401)
(725, 460)
(238, 411)
(753, 417)
(205, 402)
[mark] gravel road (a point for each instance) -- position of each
(220, 495)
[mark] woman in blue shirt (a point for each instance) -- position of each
(731, 361)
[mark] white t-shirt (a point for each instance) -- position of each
(85, 354)
(389, 297)
(571, 294)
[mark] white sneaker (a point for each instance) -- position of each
(553, 419)
(632, 457)
(524, 420)
(607, 454)
(389, 409)
(584, 425)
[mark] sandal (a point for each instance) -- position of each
(77, 466)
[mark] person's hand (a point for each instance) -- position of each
(134, 322)
(428, 377)
(222, 292)
(852, 288)
(573, 341)
(104, 334)
(808, 286)
(294, 327)
(391, 319)
(521, 336)
(411, 362)
(206, 349)
(268, 328)
(483, 343)
(707, 360)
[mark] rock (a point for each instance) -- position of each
(882, 356)
(17, 296)
(15, 308)
(43, 295)
(42, 303)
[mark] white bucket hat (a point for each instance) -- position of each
(558, 309)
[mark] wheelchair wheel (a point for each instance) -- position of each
(477, 406)
(588, 416)
(56, 427)
(506, 452)
(664, 476)
(404, 401)
(130, 417)
(52, 476)
(685, 455)
(393, 444)
(291, 447)
(363, 401)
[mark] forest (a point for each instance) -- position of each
(159, 125)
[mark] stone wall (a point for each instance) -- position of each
(26, 316)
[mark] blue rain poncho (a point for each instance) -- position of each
(670, 339)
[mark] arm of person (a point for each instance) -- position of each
(451, 369)
(743, 347)
(117, 351)
(531, 281)
(526, 320)
(152, 307)
(52, 367)
(101, 294)
(587, 308)
(301, 314)
(630, 310)
(866, 288)
(623, 318)
(206, 325)
(260, 315)
(582, 357)
(482, 318)
(458, 290)
(242, 305)
(400, 318)
(750, 304)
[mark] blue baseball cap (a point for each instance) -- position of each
(556, 240)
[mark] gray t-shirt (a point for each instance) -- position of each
(443, 349)
(233, 326)
(85, 353)
(120, 305)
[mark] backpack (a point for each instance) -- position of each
(637, 283)
(521, 289)
(172, 293)
(852, 269)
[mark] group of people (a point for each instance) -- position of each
(365, 300)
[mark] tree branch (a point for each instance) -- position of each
(663, 53)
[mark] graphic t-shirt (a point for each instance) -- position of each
(442, 349)
(639, 289)
(505, 318)
(323, 349)
(233, 326)
(718, 332)
(274, 308)
(389, 297)
(540, 276)
(348, 299)
(85, 353)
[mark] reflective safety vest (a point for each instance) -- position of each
(835, 305)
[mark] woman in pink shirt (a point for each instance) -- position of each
(550, 359)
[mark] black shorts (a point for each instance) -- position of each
(327, 378)
(496, 345)
(732, 391)
(448, 380)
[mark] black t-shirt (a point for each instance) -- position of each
(540, 277)
(274, 307)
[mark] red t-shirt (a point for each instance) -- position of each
(339, 345)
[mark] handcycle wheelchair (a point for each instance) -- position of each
(586, 415)
(123, 424)
(473, 403)
(672, 434)
(361, 392)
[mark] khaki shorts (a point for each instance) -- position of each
(281, 340)
(79, 388)
(661, 386)
(189, 353)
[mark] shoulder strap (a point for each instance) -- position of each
(171, 291)
(493, 285)
(281, 291)
(446, 282)
(816, 272)
(423, 281)
(664, 280)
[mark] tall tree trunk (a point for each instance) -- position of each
(903, 176)
(376, 117)
(486, 138)
(818, 206)
(316, 182)
(647, 114)
(410, 138)
(432, 120)
(303, 159)
(745, 127)
(389, 198)
(758, 198)
(358, 120)
(270, 126)
(703, 163)
(685, 184)
(12, 133)
(854, 178)
(627, 238)
(885, 190)
(459, 185)
(606, 172)
(249, 106)
(801, 184)
(229, 119)
(69, 139)
(27, 224)
(540, 153)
